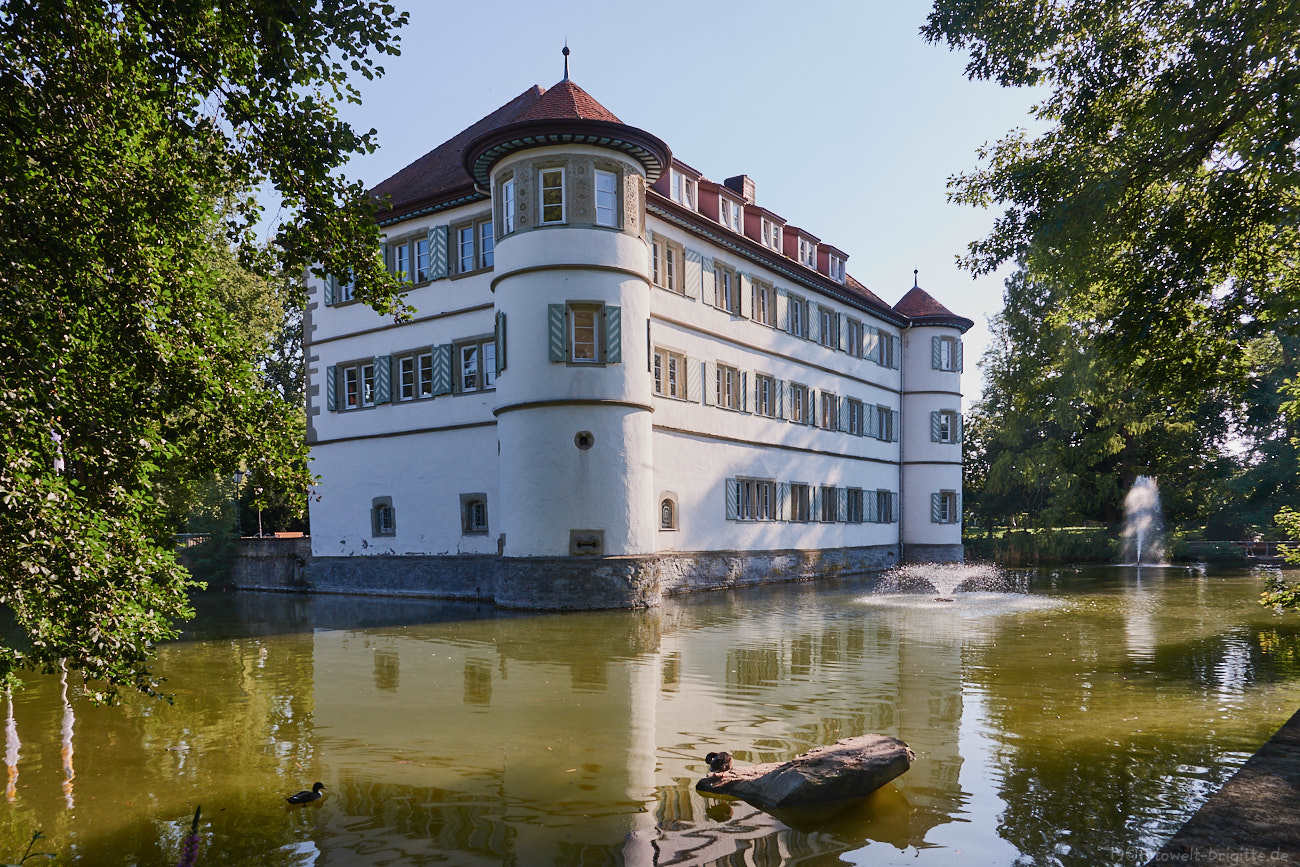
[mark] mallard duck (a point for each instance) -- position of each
(306, 797)
(718, 762)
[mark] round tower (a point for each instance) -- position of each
(572, 404)
(930, 443)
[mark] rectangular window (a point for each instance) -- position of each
(606, 198)
(508, 206)
(475, 365)
(486, 244)
(886, 350)
(726, 288)
(756, 500)
(836, 268)
(947, 427)
(683, 189)
(402, 262)
(422, 260)
(764, 306)
(808, 253)
(853, 504)
(584, 333)
(351, 388)
(465, 248)
(551, 184)
(667, 265)
(853, 337)
(885, 507)
(670, 374)
(830, 417)
(729, 213)
(771, 234)
(855, 416)
(426, 375)
(383, 519)
(764, 395)
(944, 507)
(367, 385)
(830, 498)
(798, 317)
(344, 287)
(728, 382)
(946, 354)
(800, 502)
(406, 378)
(798, 403)
(830, 323)
(473, 514)
(884, 423)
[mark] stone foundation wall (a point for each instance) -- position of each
(933, 554)
(551, 583)
(275, 563)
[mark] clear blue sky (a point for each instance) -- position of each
(848, 122)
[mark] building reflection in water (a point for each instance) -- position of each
(69, 720)
(12, 746)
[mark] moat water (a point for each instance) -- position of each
(1079, 723)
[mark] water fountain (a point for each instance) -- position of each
(945, 579)
(1144, 524)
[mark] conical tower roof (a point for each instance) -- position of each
(921, 307)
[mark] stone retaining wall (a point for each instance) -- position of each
(544, 583)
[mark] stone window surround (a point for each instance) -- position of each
(669, 497)
(408, 240)
(466, 501)
(398, 358)
(340, 370)
(579, 193)
(377, 505)
(479, 340)
(453, 245)
(776, 383)
(683, 374)
(679, 264)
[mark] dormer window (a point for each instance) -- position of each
(682, 189)
(808, 253)
(729, 213)
(836, 268)
(771, 234)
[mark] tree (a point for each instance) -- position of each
(135, 137)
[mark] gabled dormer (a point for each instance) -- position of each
(723, 205)
(681, 183)
(831, 262)
(765, 227)
(801, 246)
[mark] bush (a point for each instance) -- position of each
(1046, 546)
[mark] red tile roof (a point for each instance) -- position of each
(442, 169)
(919, 304)
(567, 101)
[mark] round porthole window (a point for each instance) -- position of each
(584, 439)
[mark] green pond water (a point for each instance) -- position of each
(1078, 723)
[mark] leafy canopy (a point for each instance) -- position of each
(134, 140)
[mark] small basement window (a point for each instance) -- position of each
(473, 514)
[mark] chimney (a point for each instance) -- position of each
(742, 184)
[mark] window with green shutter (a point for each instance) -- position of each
(331, 389)
(383, 378)
(501, 341)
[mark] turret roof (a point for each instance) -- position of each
(918, 304)
(567, 101)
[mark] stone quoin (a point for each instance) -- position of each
(623, 380)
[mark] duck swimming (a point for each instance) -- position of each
(306, 797)
(718, 762)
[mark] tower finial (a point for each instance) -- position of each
(565, 52)
(916, 282)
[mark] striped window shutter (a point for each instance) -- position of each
(894, 425)
(744, 391)
(779, 386)
(693, 273)
(843, 413)
(869, 507)
(871, 424)
(331, 388)
(437, 252)
(330, 283)
(442, 369)
(956, 509)
(896, 356)
(383, 378)
(782, 497)
(783, 310)
(844, 333)
(694, 390)
(842, 507)
(613, 334)
(936, 426)
(501, 341)
(706, 281)
(961, 428)
(871, 343)
(733, 500)
(814, 323)
(810, 408)
(936, 508)
(709, 389)
(816, 502)
(893, 507)
(556, 332)
(746, 305)
(960, 367)
(936, 354)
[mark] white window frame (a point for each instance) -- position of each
(466, 259)
(755, 500)
(485, 373)
(853, 336)
(947, 353)
(947, 426)
(886, 349)
(771, 234)
(798, 403)
(807, 253)
(765, 398)
(799, 328)
(728, 290)
(541, 198)
(507, 206)
(402, 262)
(829, 321)
(828, 416)
(682, 189)
(885, 418)
(420, 259)
(486, 243)
(835, 266)
(764, 313)
(727, 380)
(856, 415)
(612, 207)
(948, 507)
(729, 213)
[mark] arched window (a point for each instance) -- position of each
(667, 514)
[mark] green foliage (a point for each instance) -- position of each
(1045, 546)
(135, 137)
